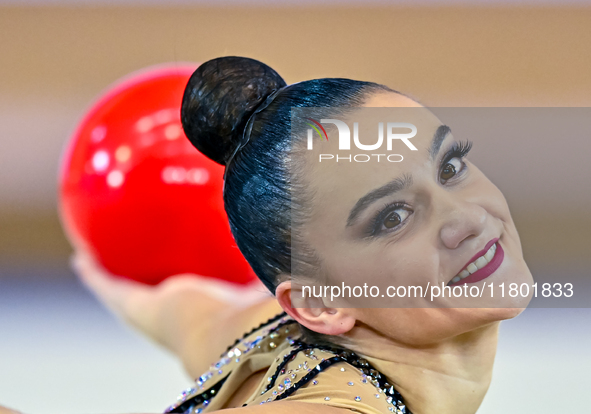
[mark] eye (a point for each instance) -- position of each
(453, 161)
(393, 219)
(451, 168)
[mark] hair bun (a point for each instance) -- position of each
(218, 100)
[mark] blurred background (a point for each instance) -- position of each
(60, 351)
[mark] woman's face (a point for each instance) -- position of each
(418, 222)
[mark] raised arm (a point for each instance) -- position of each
(279, 407)
(194, 317)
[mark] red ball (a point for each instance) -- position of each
(135, 192)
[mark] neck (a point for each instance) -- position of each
(450, 376)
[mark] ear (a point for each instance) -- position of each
(312, 313)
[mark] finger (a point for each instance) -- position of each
(114, 291)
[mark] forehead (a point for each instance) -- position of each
(355, 171)
(337, 185)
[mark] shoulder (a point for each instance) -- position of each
(322, 378)
(288, 407)
(214, 388)
(329, 378)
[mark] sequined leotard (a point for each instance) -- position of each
(296, 371)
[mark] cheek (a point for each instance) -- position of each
(411, 262)
(489, 196)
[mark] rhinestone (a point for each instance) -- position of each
(315, 382)
(272, 345)
(342, 369)
(287, 383)
(391, 409)
(274, 392)
(377, 395)
(358, 398)
(280, 387)
(273, 335)
(350, 383)
(237, 352)
(375, 373)
(269, 379)
(237, 359)
(363, 380)
(269, 399)
(220, 371)
(205, 403)
(389, 400)
(326, 398)
(293, 376)
(198, 410)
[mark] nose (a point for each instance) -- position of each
(461, 220)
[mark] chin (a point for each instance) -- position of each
(501, 314)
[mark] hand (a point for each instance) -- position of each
(183, 313)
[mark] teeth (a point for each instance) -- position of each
(479, 263)
(463, 274)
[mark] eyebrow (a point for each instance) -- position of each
(438, 138)
(397, 184)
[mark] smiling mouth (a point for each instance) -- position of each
(482, 265)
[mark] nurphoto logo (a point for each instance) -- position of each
(345, 140)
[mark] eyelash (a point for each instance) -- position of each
(375, 227)
(458, 150)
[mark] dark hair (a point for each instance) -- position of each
(219, 99)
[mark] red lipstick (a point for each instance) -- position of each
(487, 270)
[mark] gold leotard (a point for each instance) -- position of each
(295, 371)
